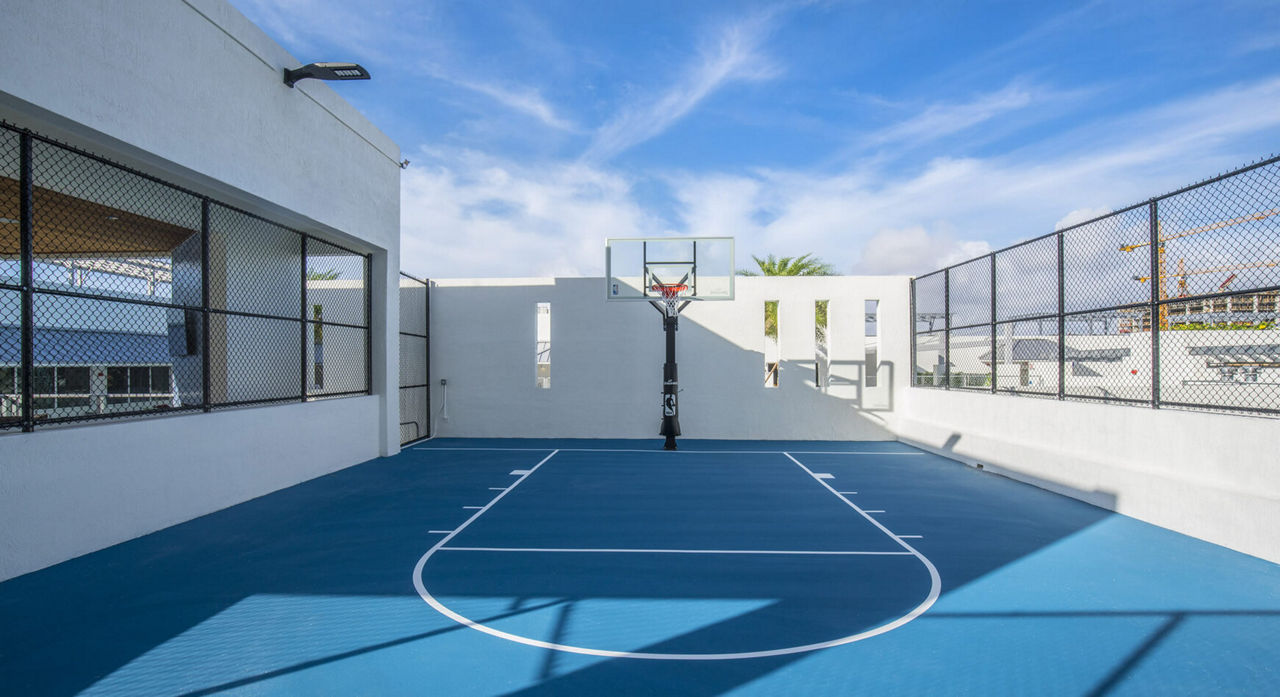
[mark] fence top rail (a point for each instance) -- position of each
(411, 277)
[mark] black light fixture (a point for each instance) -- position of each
(326, 71)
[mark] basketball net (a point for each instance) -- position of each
(671, 296)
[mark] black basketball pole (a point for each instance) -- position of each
(670, 384)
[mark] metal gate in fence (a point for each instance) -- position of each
(415, 370)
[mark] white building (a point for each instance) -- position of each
(188, 94)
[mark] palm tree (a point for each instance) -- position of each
(804, 265)
(316, 275)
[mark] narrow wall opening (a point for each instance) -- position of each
(542, 345)
(871, 309)
(821, 345)
(772, 350)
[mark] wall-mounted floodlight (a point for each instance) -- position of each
(326, 71)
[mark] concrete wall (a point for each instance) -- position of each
(1212, 476)
(191, 92)
(606, 365)
(71, 491)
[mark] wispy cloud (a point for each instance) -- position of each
(943, 119)
(869, 220)
(309, 27)
(470, 214)
(465, 213)
(1262, 42)
(733, 56)
(523, 100)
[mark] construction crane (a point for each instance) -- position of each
(1182, 274)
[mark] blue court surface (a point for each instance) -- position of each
(530, 567)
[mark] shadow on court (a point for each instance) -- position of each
(315, 581)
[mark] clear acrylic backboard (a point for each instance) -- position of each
(636, 268)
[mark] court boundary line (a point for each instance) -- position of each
(682, 452)
(623, 550)
(420, 586)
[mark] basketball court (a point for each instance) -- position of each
(561, 567)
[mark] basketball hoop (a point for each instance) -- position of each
(671, 296)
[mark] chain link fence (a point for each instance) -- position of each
(1173, 302)
(124, 296)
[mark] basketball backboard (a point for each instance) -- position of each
(635, 268)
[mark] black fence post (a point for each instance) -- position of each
(426, 289)
(915, 325)
(1062, 317)
(1157, 284)
(994, 358)
(368, 323)
(206, 301)
(946, 323)
(27, 260)
(302, 311)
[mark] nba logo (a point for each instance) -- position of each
(615, 289)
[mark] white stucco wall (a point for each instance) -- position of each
(1212, 476)
(606, 366)
(67, 492)
(191, 92)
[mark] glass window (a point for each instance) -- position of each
(73, 380)
(139, 380)
(42, 380)
(160, 379)
(8, 379)
(117, 380)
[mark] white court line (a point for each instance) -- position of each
(594, 550)
(823, 475)
(473, 508)
(935, 588)
(497, 488)
(420, 586)
(911, 536)
(846, 492)
(871, 511)
(685, 452)
(439, 532)
(521, 473)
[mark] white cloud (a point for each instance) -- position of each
(1259, 43)
(1080, 215)
(467, 214)
(938, 120)
(733, 56)
(913, 251)
(523, 100)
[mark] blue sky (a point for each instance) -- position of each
(887, 137)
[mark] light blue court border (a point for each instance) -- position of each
(419, 584)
